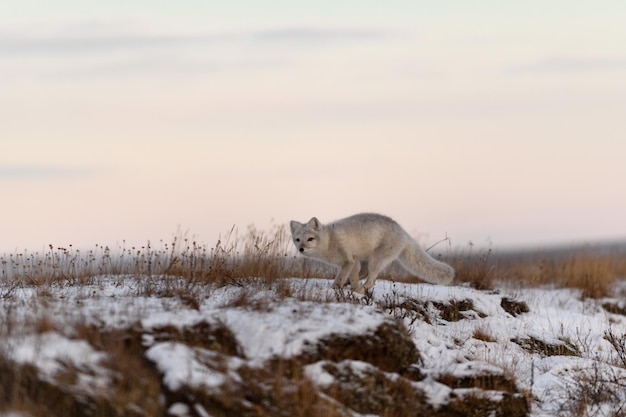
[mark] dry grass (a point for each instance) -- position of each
(229, 262)
(270, 255)
(483, 333)
(594, 272)
(595, 392)
(476, 269)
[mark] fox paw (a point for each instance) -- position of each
(360, 290)
(338, 286)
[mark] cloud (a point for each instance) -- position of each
(44, 172)
(557, 64)
(159, 65)
(31, 45)
(98, 42)
(120, 51)
(318, 35)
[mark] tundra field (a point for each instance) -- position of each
(247, 328)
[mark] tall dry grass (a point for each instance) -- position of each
(231, 259)
(594, 271)
(270, 255)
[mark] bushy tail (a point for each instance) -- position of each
(415, 260)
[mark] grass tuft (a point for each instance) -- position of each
(594, 272)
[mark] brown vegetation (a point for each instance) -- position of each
(282, 388)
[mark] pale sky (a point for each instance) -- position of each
(494, 122)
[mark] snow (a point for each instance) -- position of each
(284, 327)
(52, 353)
(48, 350)
(317, 373)
(180, 366)
(285, 330)
(178, 409)
(183, 365)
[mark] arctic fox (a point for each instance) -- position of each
(362, 246)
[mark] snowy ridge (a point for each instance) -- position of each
(467, 342)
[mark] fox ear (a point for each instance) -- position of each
(295, 226)
(314, 223)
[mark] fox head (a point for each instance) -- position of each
(306, 237)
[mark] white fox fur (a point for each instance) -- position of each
(362, 246)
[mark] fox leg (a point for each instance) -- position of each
(358, 272)
(374, 267)
(345, 271)
(363, 271)
(355, 276)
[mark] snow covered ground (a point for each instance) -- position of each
(553, 347)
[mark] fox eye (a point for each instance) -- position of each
(298, 240)
(310, 239)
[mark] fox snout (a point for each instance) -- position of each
(301, 249)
